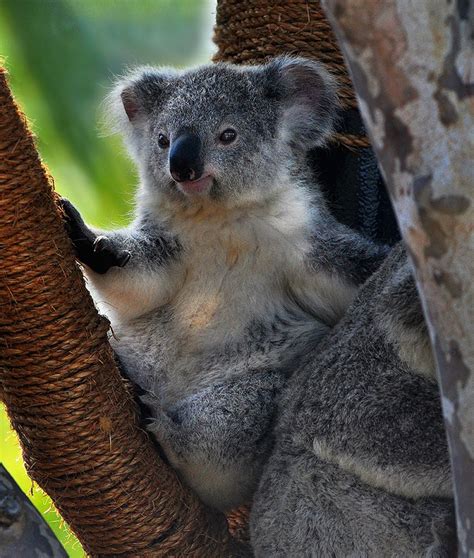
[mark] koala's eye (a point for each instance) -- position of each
(228, 136)
(163, 141)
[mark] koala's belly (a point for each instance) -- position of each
(173, 361)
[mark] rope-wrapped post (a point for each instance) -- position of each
(74, 414)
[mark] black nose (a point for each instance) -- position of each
(185, 158)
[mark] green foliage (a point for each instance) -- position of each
(62, 56)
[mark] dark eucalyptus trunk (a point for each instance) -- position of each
(23, 532)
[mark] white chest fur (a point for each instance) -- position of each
(236, 266)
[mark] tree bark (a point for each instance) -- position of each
(412, 63)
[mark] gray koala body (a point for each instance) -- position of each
(233, 267)
(360, 465)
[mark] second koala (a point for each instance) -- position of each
(360, 465)
(233, 266)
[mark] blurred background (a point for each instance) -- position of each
(62, 56)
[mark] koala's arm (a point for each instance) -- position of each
(337, 262)
(127, 268)
(220, 438)
(343, 252)
(394, 443)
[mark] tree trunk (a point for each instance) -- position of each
(412, 65)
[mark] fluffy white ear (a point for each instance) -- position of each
(309, 97)
(135, 96)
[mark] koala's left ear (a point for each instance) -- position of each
(134, 97)
(308, 94)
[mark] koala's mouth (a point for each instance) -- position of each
(200, 186)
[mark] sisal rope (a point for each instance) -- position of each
(74, 414)
(238, 521)
(251, 31)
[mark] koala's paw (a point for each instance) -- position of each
(109, 253)
(165, 430)
(151, 403)
(97, 252)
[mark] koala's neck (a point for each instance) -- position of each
(266, 243)
(285, 214)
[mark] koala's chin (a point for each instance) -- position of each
(198, 187)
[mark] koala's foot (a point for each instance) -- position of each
(97, 252)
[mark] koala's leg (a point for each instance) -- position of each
(219, 438)
(305, 507)
(128, 269)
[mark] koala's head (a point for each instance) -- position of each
(224, 132)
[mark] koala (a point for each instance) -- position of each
(233, 266)
(360, 464)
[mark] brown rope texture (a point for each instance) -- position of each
(238, 521)
(251, 31)
(74, 415)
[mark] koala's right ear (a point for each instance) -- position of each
(308, 96)
(136, 95)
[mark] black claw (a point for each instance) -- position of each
(101, 243)
(123, 258)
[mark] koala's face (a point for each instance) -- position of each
(225, 132)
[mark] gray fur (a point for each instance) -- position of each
(360, 465)
(226, 290)
(219, 449)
